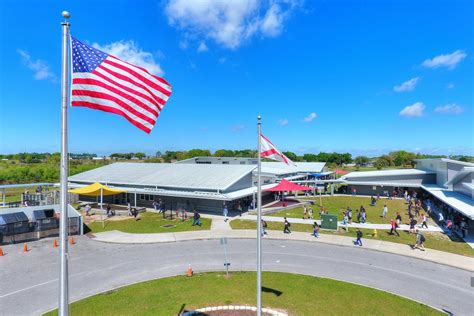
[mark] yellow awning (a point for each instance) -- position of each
(96, 189)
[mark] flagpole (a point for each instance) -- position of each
(259, 220)
(63, 308)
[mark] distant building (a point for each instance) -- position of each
(204, 183)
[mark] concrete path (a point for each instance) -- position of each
(430, 228)
(441, 257)
(29, 282)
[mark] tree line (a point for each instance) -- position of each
(44, 167)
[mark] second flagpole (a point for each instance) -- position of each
(259, 219)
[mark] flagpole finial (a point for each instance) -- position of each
(259, 117)
(66, 14)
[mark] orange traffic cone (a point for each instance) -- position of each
(1, 252)
(55, 244)
(25, 248)
(71, 241)
(190, 271)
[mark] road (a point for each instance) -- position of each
(28, 282)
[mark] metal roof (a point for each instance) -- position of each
(281, 168)
(25, 185)
(464, 163)
(385, 173)
(460, 175)
(164, 175)
(456, 200)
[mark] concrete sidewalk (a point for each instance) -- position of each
(430, 228)
(436, 256)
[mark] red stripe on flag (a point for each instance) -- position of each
(142, 95)
(100, 95)
(162, 80)
(138, 76)
(111, 110)
(94, 82)
(128, 79)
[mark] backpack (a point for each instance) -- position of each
(264, 224)
(422, 238)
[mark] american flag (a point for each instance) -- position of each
(271, 152)
(104, 82)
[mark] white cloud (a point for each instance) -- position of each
(202, 47)
(449, 61)
(450, 85)
(40, 68)
(311, 117)
(449, 109)
(230, 22)
(408, 85)
(130, 52)
(414, 110)
(283, 122)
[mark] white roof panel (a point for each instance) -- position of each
(184, 176)
(280, 168)
(384, 173)
(460, 175)
(456, 200)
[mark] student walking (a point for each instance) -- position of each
(420, 240)
(441, 219)
(393, 229)
(286, 228)
(398, 219)
(316, 230)
(423, 221)
(196, 218)
(385, 211)
(225, 213)
(358, 241)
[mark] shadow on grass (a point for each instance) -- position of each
(273, 291)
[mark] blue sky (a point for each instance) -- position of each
(359, 76)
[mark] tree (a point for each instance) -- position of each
(224, 153)
(140, 155)
(403, 158)
(361, 160)
(310, 157)
(198, 153)
(291, 155)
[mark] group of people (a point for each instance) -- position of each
(347, 215)
(455, 223)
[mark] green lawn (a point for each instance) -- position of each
(148, 223)
(337, 204)
(437, 241)
(297, 294)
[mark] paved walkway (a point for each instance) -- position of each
(441, 257)
(431, 228)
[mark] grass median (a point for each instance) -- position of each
(148, 223)
(434, 240)
(297, 294)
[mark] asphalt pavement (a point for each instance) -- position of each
(29, 281)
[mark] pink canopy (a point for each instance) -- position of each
(285, 185)
(341, 172)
